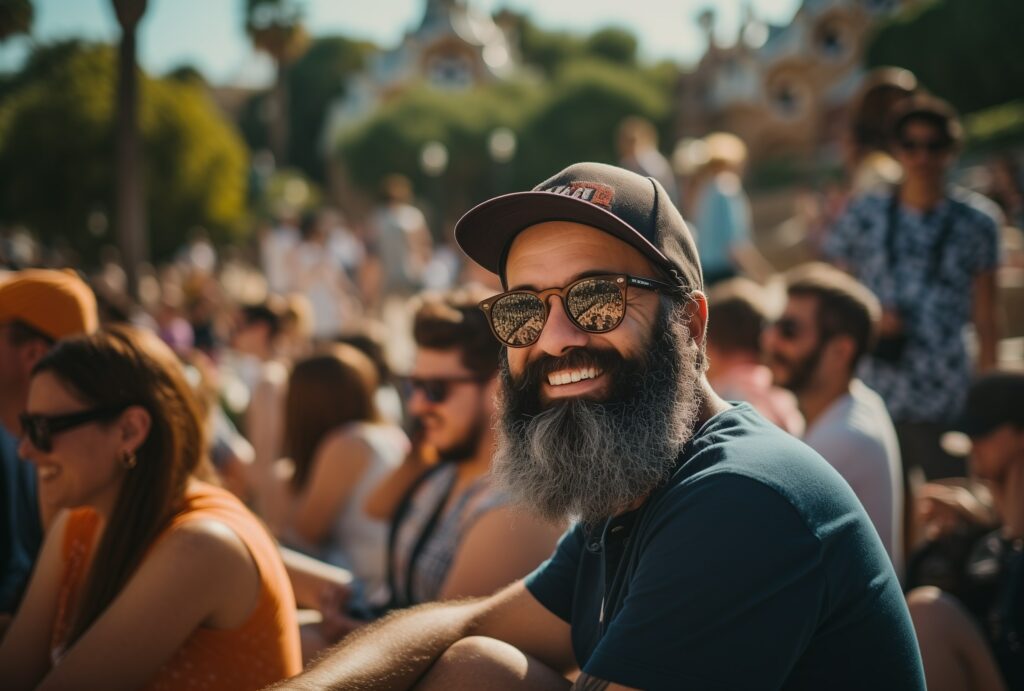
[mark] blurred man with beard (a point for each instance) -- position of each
(453, 534)
(827, 327)
(711, 549)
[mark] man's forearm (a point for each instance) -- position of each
(391, 654)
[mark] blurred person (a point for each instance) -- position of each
(369, 339)
(929, 251)
(256, 339)
(277, 243)
(115, 433)
(317, 275)
(866, 141)
(400, 248)
(38, 307)
(736, 370)
(400, 241)
(637, 144)
(722, 213)
(1007, 189)
(453, 533)
(828, 325)
(711, 548)
(971, 636)
(339, 449)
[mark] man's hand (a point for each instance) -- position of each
(942, 509)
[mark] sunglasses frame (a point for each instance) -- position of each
(621, 281)
(52, 425)
(422, 384)
(930, 146)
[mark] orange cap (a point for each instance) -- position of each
(56, 303)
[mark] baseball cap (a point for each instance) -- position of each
(55, 303)
(993, 400)
(631, 207)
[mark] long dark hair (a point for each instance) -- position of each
(123, 366)
(324, 392)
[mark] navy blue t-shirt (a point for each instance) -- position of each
(755, 567)
(21, 529)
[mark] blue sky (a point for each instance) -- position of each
(209, 35)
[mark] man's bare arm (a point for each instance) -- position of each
(396, 652)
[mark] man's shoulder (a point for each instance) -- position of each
(738, 455)
(977, 207)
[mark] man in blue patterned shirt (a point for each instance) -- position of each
(929, 251)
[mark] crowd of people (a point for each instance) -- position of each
(637, 458)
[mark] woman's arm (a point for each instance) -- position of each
(338, 466)
(200, 575)
(25, 652)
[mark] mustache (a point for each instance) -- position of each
(604, 359)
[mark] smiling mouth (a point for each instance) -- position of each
(571, 376)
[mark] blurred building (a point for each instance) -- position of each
(782, 89)
(455, 47)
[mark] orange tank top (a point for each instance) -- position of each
(263, 650)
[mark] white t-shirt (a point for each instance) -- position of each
(855, 434)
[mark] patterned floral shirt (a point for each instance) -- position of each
(922, 266)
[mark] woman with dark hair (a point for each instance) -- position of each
(339, 450)
(149, 577)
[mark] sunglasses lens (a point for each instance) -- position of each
(596, 304)
(518, 318)
(37, 432)
(434, 391)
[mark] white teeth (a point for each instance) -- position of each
(572, 376)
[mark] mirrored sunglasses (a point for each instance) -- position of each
(595, 304)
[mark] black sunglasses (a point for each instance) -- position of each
(932, 146)
(787, 328)
(437, 389)
(596, 304)
(41, 429)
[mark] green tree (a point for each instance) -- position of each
(968, 52)
(57, 173)
(314, 81)
(613, 44)
(275, 27)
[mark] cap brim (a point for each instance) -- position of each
(486, 231)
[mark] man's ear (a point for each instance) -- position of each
(697, 311)
(135, 423)
(839, 353)
(31, 352)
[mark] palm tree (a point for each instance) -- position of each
(131, 212)
(275, 27)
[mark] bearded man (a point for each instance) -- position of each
(710, 550)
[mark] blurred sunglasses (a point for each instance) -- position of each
(41, 429)
(931, 146)
(437, 389)
(787, 328)
(596, 304)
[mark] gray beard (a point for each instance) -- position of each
(589, 460)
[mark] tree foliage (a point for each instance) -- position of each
(314, 81)
(57, 153)
(968, 52)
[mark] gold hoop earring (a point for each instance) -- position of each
(129, 460)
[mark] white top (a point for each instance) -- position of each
(856, 436)
(358, 542)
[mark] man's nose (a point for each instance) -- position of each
(559, 334)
